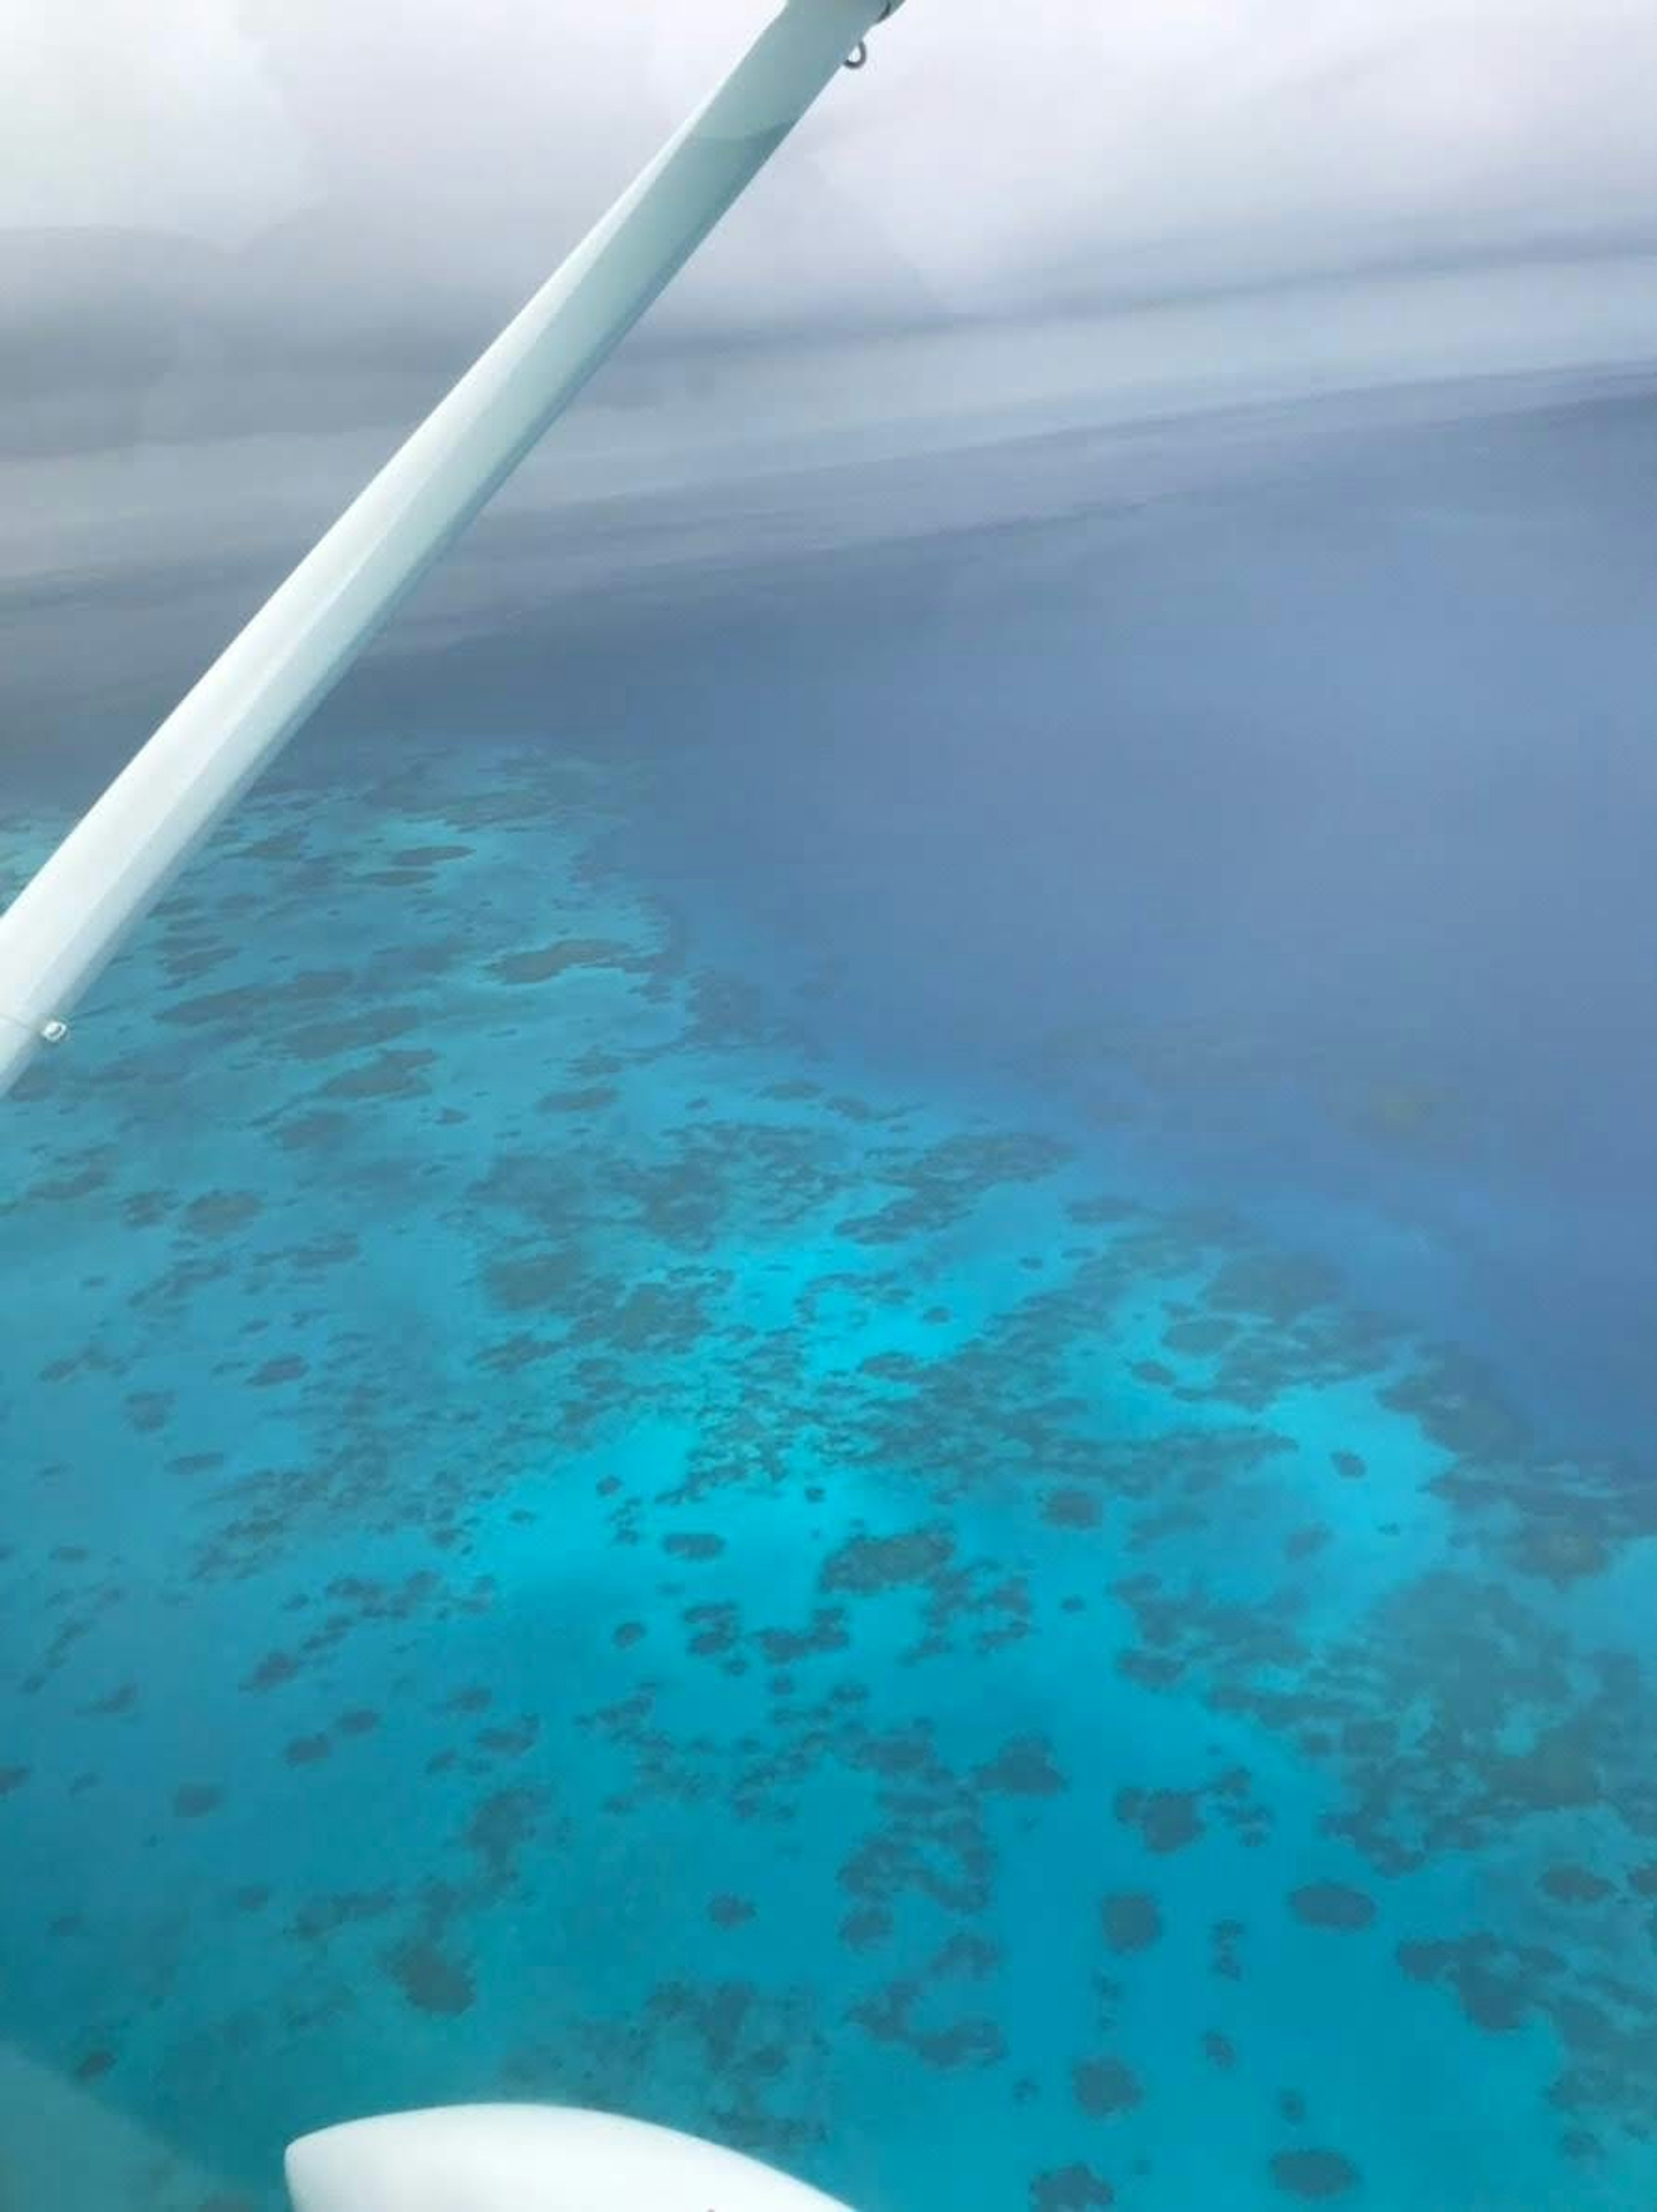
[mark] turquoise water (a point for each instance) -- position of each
(577, 1528)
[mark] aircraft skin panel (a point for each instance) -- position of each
(530, 2158)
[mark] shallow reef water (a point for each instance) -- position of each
(563, 1539)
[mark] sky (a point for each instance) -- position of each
(247, 245)
(294, 212)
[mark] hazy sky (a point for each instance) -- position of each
(228, 189)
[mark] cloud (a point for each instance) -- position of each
(296, 212)
(1195, 142)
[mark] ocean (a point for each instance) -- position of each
(854, 1346)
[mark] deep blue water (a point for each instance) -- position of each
(861, 1354)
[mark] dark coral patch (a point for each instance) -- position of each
(694, 1546)
(1331, 1904)
(310, 1133)
(1575, 1885)
(1131, 1920)
(149, 1410)
(869, 1925)
(430, 1980)
(1223, 1939)
(319, 1917)
(389, 1075)
(222, 1212)
(274, 1669)
(289, 1369)
(1314, 2175)
(535, 1282)
(502, 1826)
(867, 1564)
(365, 1025)
(1023, 1768)
(115, 1703)
(1071, 1509)
(1070, 2189)
(1167, 1820)
(965, 1953)
(509, 1739)
(1497, 1987)
(889, 2017)
(581, 1098)
(1202, 1334)
(191, 1800)
(1105, 2086)
(825, 1632)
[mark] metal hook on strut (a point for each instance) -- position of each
(858, 56)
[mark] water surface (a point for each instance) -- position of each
(858, 1353)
